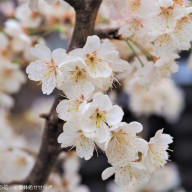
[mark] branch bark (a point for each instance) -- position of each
(49, 150)
(2, 20)
(74, 3)
(85, 22)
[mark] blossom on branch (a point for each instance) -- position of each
(45, 68)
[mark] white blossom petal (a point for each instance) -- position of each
(41, 52)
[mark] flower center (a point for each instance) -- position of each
(78, 74)
(21, 161)
(99, 117)
(135, 5)
(92, 60)
(167, 13)
(180, 2)
(155, 155)
(7, 73)
(119, 138)
(52, 68)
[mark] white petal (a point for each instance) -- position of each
(142, 146)
(102, 101)
(49, 84)
(85, 147)
(165, 3)
(105, 48)
(80, 92)
(108, 173)
(133, 127)
(68, 72)
(59, 56)
(66, 139)
(124, 148)
(4, 41)
(33, 4)
(51, 2)
(67, 109)
(141, 174)
(117, 64)
(77, 53)
(37, 70)
(115, 115)
(93, 43)
(161, 138)
(100, 69)
(123, 176)
(103, 134)
(41, 52)
(87, 90)
(72, 125)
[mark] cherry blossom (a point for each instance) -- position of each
(11, 77)
(20, 42)
(124, 145)
(33, 4)
(45, 68)
(73, 136)
(134, 27)
(157, 153)
(31, 19)
(101, 114)
(165, 17)
(133, 173)
(99, 57)
(15, 164)
(164, 99)
(73, 72)
(4, 41)
(6, 101)
(77, 101)
(155, 32)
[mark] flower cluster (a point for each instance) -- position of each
(164, 179)
(91, 120)
(11, 77)
(15, 162)
(155, 31)
(164, 99)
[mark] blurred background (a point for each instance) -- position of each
(23, 118)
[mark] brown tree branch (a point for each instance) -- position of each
(85, 22)
(2, 20)
(44, 116)
(49, 150)
(74, 3)
(15, 2)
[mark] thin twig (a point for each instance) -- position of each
(134, 52)
(109, 33)
(44, 116)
